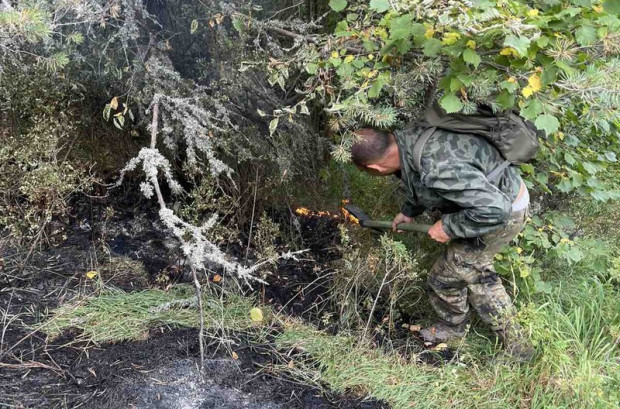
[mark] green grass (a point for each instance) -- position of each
(578, 367)
(116, 315)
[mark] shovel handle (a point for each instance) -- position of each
(387, 225)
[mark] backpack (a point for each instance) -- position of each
(514, 137)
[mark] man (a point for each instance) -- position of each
(478, 218)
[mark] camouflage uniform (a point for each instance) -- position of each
(476, 215)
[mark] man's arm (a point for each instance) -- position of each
(484, 208)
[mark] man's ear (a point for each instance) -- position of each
(375, 166)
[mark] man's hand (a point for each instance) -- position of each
(401, 218)
(437, 233)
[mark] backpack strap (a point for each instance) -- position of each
(419, 145)
(493, 175)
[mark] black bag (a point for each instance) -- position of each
(514, 137)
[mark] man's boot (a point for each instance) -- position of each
(442, 332)
(516, 344)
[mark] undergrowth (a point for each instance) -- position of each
(578, 367)
(115, 315)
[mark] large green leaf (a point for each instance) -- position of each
(401, 27)
(432, 46)
(379, 6)
(586, 35)
(471, 56)
(532, 109)
(520, 44)
(451, 103)
(612, 6)
(547, 123)
(338, 5)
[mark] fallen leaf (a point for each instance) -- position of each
(256, 314)
(91, 274)
(415, 328)
(234, 355)
(440, 347)
(217, 278)
(291, 364)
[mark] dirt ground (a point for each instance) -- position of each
(162, 370)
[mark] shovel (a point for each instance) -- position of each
(365, 221)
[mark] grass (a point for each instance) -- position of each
(578, 367)
(116, 315)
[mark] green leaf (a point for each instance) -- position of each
(547, 123)
(432, 46)
(273, 125)
(341, 29)
(527, 168)
(612, 6)
(375, 89)
(542, 287)
(532, 109)
(585, 35)
(471, 56)
(237, 24)
(380, 6)
(590, 167)
(451, 103)
(337, 5)
(401, 27)
(520, 44)
(505, 99)
(312, 68)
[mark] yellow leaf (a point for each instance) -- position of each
(234, 355)
(91, 274)
(527, 91)
(512, 80)
(349, 58)
(114, 103)
(450, 38)
(533, 12)
(471, 44)
(335, 54)
(598, 9)
(256, 314)
(371, 57)
(534, 82)
(524, 272)
(560, 135)
(509, 51)
(519, 250)
(429, 33)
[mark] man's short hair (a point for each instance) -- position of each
(371, 146)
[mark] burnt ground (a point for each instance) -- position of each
(162, 370)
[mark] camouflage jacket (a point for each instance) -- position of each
(453, 181)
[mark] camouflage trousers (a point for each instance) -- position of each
(465, 275)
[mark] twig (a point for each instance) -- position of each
(201, 316)
(162, 204)
(252, 221)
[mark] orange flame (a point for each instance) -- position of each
(346, 215)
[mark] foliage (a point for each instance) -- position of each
(556, 62)
(374, 283)
(115, 315)
(37, 179)
(576, 370)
